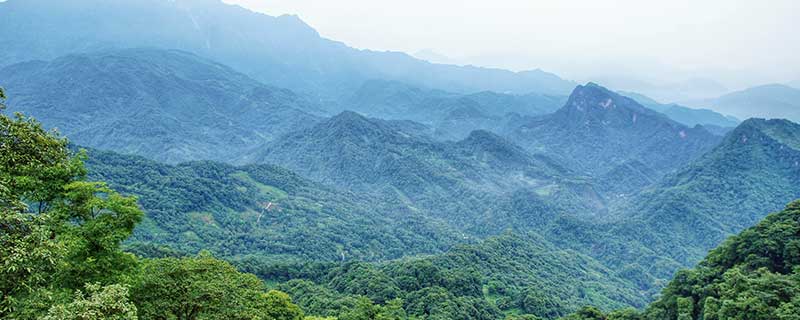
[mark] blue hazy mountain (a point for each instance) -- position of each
(282, 51)
(767, 101)
(163, 104)
(450, 115)
(685, 115)
(597, 131)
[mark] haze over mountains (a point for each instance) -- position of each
(351, 178)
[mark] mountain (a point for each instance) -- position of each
(794, 84)
(263, 211)
(281, 51)
(685, 115)
(598, 131)
(756, 168)
(767, 101)
(167, 105)
(753, 275)
(457, 181)
(452, 116)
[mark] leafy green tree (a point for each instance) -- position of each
(109, 302)
(46, 209)
(276, 305)
(203, 287)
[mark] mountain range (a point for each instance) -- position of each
(360, 179)
(281, 51)
(168, 105)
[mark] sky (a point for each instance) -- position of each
(737, 43)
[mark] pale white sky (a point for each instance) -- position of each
(736, 42)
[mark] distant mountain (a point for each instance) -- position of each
(598, 131)
(767, 101)
(263, 211)
(756, 169)
(685, 115)
(452, 116)
(281, 51)
(794, 84)
(163, 104)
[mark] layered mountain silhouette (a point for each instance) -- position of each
(453, 116)
(163, 104)
(767, 101)
(282, 51)
(685, 115)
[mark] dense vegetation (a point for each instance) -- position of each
(753, 275)
(264, 210)
(60, 236)
(509, 274)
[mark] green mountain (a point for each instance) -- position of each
(281, 51)
(753, 275)
(167, 105)
(218, 207)
(264, 211)
(598, 131)
(685, 115)
(459, 181)
(756, 168)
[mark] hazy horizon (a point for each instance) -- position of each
(626, 43)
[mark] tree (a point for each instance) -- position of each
(57, 230)
(204, 287)
(109, 302)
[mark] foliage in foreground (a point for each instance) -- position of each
(60, 255)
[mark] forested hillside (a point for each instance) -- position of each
(755, 169)
(266, 211)
(60, 236)
(167, 105)
(753, 275)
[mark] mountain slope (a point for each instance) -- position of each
(281, 51)
(755, 169)
(455, 179)
(167, 105)
(753, 275)
(599, 130)
(508, 274)
(264, 211)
